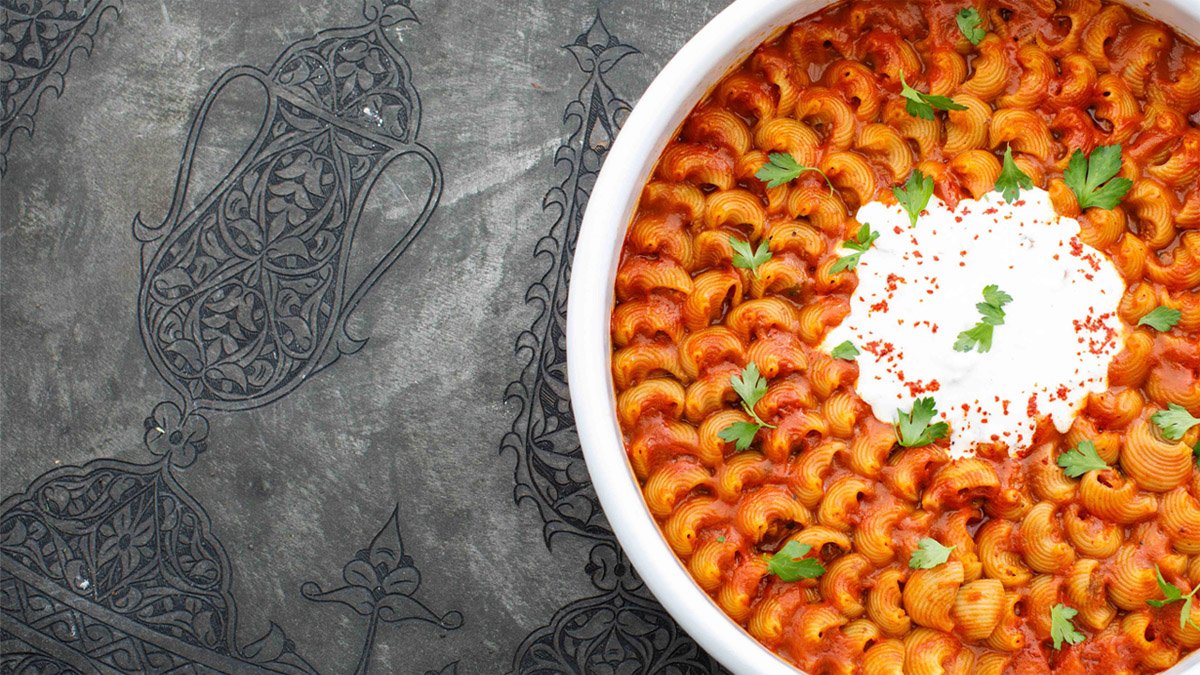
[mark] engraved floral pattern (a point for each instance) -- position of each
(113, 565)
(38, 39)
(622, 629)
(381, 582)
(247, 295)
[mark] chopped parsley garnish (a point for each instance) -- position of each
(1061, 628)
(1161, 318)
(783, 168)
(1086, 177)
(789, 563)
(991, 312)
(746, 258)
(750, 387)
(1174, 422)
(845, 351)
(860, 243)
(1012, 179)
(1172, 593)
(913, 429)
(1081, 460)
(969, 22)
(915, 194)
(922, 105)
(929, 554)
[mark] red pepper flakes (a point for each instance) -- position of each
(920, 387)
(879, 348)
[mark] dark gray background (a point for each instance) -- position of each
(416, 419)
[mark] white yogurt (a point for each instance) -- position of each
(917, 289)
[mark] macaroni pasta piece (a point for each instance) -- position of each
(926, 565)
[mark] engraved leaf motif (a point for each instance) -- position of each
(360, 573)
(387, 549)
(287, 247)
(228, 373)
(403, 580)
(388, 12)
(356, 598)
(268, 647)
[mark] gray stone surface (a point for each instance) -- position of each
(414, 421)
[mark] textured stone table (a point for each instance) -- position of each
(282, 336)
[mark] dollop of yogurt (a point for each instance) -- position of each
(918, 288)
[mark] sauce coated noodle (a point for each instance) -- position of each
(1049, 77)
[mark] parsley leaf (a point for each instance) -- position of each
(1061, 628)
(992, 295)
(979, 337)
(1173, 593)
(1170, 591)
(1174, 421)
(929, 554)
(968, 22)
(746, 258)
(860, 243)
(845, 351)
(1161, 318)
(922, 105)
(915, 194)
(991, 312)
(913, 429)
(750, 387)
(1012, 179)
(789, 563)
(721, 539)
(1086, 177)
(1081, 460)
(741, 434)
(783, 168)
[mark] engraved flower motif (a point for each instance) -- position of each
(127, 539)
(380, 583)
(168, 434)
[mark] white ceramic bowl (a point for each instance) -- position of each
(720, 45)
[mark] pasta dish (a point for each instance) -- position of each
(888, 215)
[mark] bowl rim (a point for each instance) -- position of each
(721, 44)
